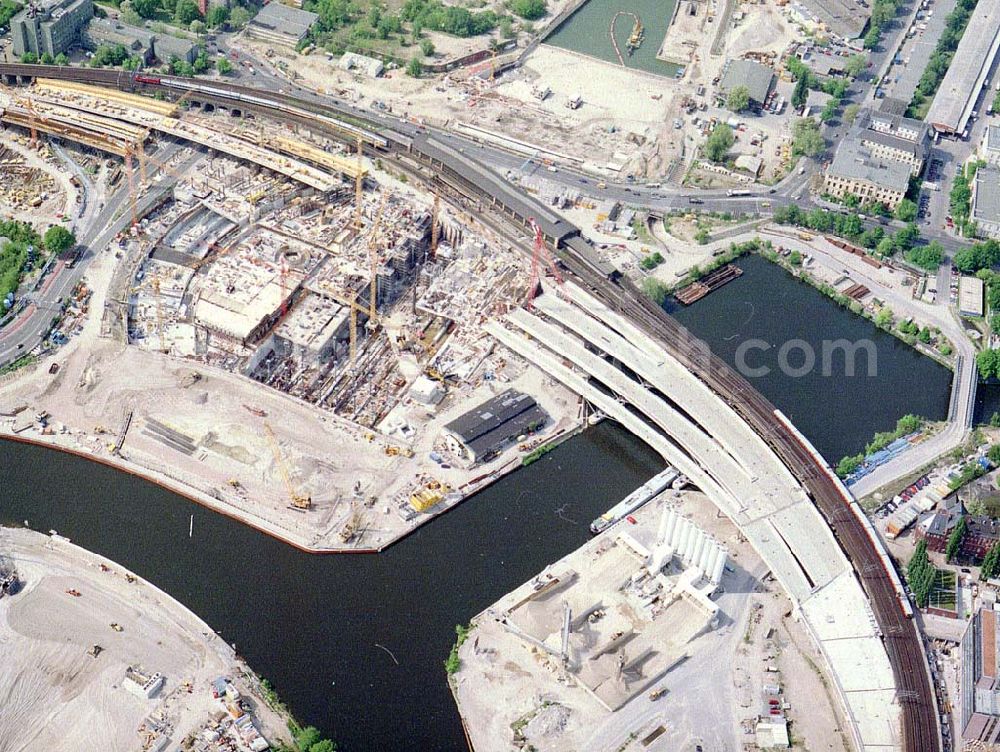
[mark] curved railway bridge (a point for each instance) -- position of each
(903, 642)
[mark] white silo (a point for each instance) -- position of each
(696, 549)
(683, 535)
(720, 565)
(709, 561)
(668, 523)
(704, 562)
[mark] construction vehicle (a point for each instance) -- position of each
(395, 451)
(299, 501)
(350, 528)
(74, 592)
(657, 693)
(117, 627)
(94, 650)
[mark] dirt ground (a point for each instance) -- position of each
(505, 684)
(27, 174)
(627, 116)
(57, 697)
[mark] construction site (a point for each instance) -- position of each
(553, 105)
(621, 641)
(304, 326)
(97, 658)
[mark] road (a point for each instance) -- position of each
(33, 323)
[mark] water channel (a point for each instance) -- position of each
(310, 624)
(588, 31)
(837, 412)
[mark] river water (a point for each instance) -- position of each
(837, 412)
(588, 31)
(313, 624)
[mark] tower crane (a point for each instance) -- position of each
(358, 182)
(435, 224)
(299, 501)
(540, 253)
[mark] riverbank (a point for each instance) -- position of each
(59, 697)
(264, 525)
(407, 599)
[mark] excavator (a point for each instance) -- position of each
(299, 500)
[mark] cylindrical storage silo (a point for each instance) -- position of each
(720, 565)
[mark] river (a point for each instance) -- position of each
(314, 625)
(588, 31)
(837, 412)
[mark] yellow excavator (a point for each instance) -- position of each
(299, 501)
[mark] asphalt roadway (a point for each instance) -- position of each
(29, 328)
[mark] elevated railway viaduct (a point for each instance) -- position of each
(920, 729)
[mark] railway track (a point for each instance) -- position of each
(901, 637)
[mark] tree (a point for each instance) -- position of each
(920, 574)
(928, 256)
(530, 10)
(851, 113)
(223, 66)
(718, 142)
(800, 94)
(906, 238)
(239, 17)
(806, 138)
(885, 247)
(991, 563)
(29, 58)
(738, 99)
(988, 362)
(883, 318)
(58, 239)
(655, 290)
(924, 336)
(427, 47)
(906, 211)
(145, 8)
(186, 12)
(323, 746)
(955, 539)
(307, 737)
(849, 464)
(856, 65)
(61, 59)
(217, 16)
(993, 455)
(415, 68)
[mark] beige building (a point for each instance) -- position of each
(894, 138)
(856, 172)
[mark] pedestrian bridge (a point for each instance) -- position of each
(596, 352)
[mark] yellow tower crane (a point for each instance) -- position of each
(299, 501)
(358, 181)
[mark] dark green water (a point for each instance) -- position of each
(837, 412)
(310, 624)
(588, 32)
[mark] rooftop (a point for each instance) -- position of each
(986, 196)
(993, 138)
(477, 428)
(853, 161)
(845, 18)
(756, 77)
(285, 20)
(956, 96)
